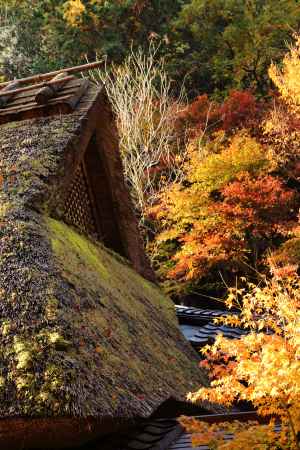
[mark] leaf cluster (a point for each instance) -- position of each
(262, 367)
(227, 211)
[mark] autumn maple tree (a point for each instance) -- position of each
(262, 367)
(229, 211)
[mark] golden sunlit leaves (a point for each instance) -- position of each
(287, 80)
(254, 435)
(281, 126)
(262, 367)
(73, 12)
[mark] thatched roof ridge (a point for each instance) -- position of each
(81, 333)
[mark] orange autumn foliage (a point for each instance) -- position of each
(261, 205)
(250, 210)
(227, 208)
(200, 114)
(262, 367)
(240, 109)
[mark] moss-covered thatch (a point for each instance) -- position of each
(82, 334)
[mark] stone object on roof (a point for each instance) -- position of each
(87, 341)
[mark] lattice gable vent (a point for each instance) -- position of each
(79, 204)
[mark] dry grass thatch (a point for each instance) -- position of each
(82, 334)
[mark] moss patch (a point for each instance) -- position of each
(128, 337)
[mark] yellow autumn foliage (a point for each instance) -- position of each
(73, 12)
(183, 207)
(287, 79)
(262, 367)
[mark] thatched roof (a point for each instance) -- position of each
(82, 334)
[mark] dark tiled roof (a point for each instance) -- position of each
(187, 313)
(198, 327)
(204, 334)
(168, 434)
(156, 434)
(184, 442)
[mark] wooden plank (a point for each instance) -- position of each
(34, 105)
(38, 85)
(50, 75)
(65, 100)
(36, 113)
(11, 87)
(35, 108)
(68, 96)
(74, 83)
(75, 98)
(51, 90)
(30, 98)
(70, 87)
(55, 106)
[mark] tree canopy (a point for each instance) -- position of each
(230, 43)
(213, 45)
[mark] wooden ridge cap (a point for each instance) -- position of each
(49, 75)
